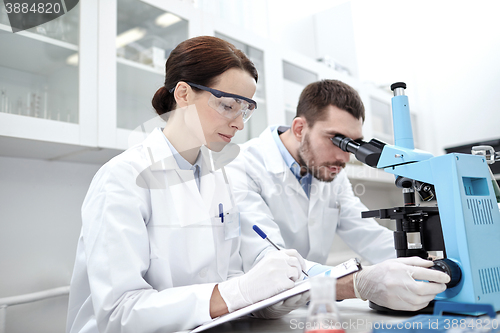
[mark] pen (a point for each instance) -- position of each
(221, 212)
(264, 236)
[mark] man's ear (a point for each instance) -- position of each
(181, 94)
(299, 126)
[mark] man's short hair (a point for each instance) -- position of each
(318, 95)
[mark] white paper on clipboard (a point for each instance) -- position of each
(345, 268)
(299, 288)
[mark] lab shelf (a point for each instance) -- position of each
(21, 137)
(12, 125)
(106, 93)
(140, 67)
(136, 86)
(40, 38)
(33, 53)
(137, 79)
(35, 77)
(58, 142)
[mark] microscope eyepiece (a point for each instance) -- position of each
(366, 152)
(345, 143)
(398, 85)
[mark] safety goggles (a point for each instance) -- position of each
(229, 105)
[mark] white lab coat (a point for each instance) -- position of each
(268, 195)
(152, 247)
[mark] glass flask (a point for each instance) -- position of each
(322, 314)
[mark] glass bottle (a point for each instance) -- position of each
(3, 99)
(322, 314)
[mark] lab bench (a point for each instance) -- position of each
(355, 315)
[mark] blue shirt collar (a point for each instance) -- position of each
(289, 160)
(181, 161)
(184, 164)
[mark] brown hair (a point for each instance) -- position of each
(318, 95)
(199, 60)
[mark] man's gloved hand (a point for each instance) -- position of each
(392, 283)
(276, 272)
(283, 307)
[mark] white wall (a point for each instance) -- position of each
(335, 36)
(447, 52)
(40, 222)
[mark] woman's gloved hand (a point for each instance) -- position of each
(283, 307)
(392, 283)
(276, 272)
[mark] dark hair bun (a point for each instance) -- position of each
(163, 101)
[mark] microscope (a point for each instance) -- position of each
(462, 232)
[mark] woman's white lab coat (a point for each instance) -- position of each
(152, 246)
(269, 195)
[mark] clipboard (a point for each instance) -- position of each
(345, 268)
(300, 287)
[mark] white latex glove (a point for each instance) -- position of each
(392, 283)
(283, 307)
(276, 272)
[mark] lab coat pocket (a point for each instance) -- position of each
(223, 245)
(232, 225)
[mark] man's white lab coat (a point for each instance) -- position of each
(269, 195)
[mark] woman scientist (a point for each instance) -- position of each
(159, 246)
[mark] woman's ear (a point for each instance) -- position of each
(181, 94)
(299, 126)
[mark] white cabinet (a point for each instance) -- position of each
(134, 42)
(145, 37)
(74, 88)
(39, 80)
(77, 87)
(295, 79)
(258, 122)
(378, 122)
(48, 88)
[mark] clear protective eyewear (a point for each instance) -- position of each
(229, 105)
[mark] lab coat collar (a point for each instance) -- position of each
(279, 167)
(276, 164)
(160, 155)
(318, 192)
(271, 151)
(216, 160)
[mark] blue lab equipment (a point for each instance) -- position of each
(466, 226)
(439, 323)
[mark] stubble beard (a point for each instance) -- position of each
(321, 172)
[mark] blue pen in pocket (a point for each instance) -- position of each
(221, 212)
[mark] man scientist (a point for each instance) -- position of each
(290, 181)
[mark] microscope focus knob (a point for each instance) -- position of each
(451, 268)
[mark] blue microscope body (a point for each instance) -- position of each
(465, 227)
